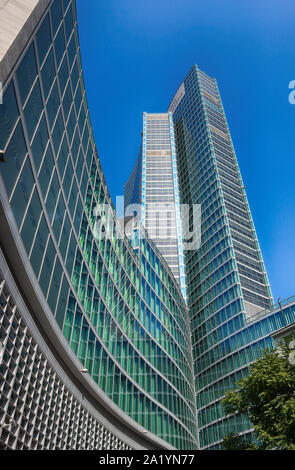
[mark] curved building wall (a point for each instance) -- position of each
(98, 303)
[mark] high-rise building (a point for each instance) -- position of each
(227, 288)
(226, 278)
(153, 185)
(95, 342)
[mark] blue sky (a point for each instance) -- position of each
(135, 54)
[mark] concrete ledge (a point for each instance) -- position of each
(18, 19)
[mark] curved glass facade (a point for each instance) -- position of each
(118, 306)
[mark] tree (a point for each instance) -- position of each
(268, 395)
(235, 442)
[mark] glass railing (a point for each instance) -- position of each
(278, 306)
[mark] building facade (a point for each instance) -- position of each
(227, 284)
(94, 331)
(231, 308)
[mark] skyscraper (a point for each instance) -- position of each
(226, 278)
(153, 185)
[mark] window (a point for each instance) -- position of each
(68, 178)
(55, 285)
(40, 142)
(72, 50)
(64, 239)
(8, 115)
(59, 216)
(33, 110)
(59, 44)
(14, 157)
(43, 39)
(47, 267)
(46, 171)
(67, 101)
(52, 196)
(48, 73)
(58, 132)
(22, 192)
(56, 15)
(39, 246)
(69, 23)
(27, 73)
(53, 105)
(31, 221)
(63, 156)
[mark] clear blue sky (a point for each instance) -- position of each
(135, 54)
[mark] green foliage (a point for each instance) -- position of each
(236, 442)
(268, 395)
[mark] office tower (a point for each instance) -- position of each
(227, 284)
(93, 327)
(153, 185)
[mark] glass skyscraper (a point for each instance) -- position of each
(153, 185)
(226, 278)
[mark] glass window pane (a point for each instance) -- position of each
(52, 196)
(56, 15)
(72, 50)
(47, 267)
(71, 125)
(71, 254)
(31, 221)
(82, 119)
(69, 23)
(53, 105)
(43, 39)
(46, 171)
(63, 157)
(67, 101)
(63, 74)
(75, 76)
(14, 157)
(58, 132)
(68, 178)
(59, 216)
(33, 110)
(8, 115)
(22, 192)
(78, 98)
(55, 285)
(62, 303)
(65, 4)
(78, 216)
(40, 143)
(26, 73)
(59, 45)
(64, 239)
(73, 198)
(39, 246)
(48, 73)
(75, 145)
